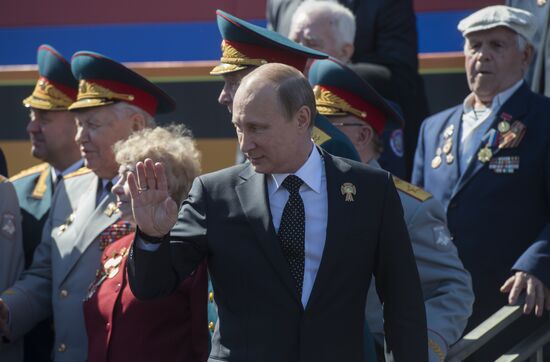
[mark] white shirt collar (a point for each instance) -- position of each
(497, 102)
(310, 172)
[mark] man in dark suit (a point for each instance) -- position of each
(289, 251)
(487, 161)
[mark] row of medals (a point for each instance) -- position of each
(484, 155)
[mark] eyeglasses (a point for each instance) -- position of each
(342, 124)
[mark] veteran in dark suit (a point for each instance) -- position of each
(283, 249)
(488, 162)
(361, 113)
(52, 131)
(112, 102)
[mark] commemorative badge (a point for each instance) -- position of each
(541, 2)
(449, 131)
(489, 139)
(8, 225)
(485, 154)
(111, 209)
(513, 136)
(449, 158)
(348, 189)
(109, 270)
(436, 162)
(396, 142)
(441, 236)
(505, 164)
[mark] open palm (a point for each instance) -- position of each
(155, 212)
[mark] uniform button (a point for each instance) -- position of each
(64, 293)
(211, 297)
(107, 326)
(211, 326)
(62, 347)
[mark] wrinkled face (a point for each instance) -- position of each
(51, 133)
(230, 86)
(122, 193)
(98, 129)
(493, 61)
(315, 31)
(267, 138)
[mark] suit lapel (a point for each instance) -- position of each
(254, 201)
(339, 216)
(516, 106)
(96, 222)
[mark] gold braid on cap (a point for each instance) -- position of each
(230, 55)
(329, 104)
(48, 96)
(87, 90)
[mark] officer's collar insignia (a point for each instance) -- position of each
(348, 189)
(8, 225)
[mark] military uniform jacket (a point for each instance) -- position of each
(34, 191)
(446, 285)
(11, 255)
(226, 219)
(64, 265)
(498, 211)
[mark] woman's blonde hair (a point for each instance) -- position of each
(172, 145)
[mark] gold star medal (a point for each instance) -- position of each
(436, 162)
(485, 154)
(348, 189)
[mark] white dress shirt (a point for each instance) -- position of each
(476, 122)
(315, 198)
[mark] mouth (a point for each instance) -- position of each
(254, 160)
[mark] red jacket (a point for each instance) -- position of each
(122, 328)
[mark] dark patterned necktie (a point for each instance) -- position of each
(292, 230)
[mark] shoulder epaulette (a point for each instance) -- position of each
(411, 190)
(30, 171)
(319, 137)
(80, 171)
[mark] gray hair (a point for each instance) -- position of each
(521, 43)
(341, 18)
(173, 146)
(124, 109)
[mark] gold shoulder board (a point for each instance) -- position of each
(80, 171)
(30, 171)
(319, 137)
(411, 189)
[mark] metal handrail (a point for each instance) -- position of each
(530, 346)
(483, 333)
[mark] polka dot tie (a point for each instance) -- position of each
(292, 230)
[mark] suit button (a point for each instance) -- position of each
(64, 293)
(62, 347)
(211, 326)
(211, 297)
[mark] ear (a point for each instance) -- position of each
(527, 56)
(303, 118)
(346, 51)
(364, 137)
(138, 122)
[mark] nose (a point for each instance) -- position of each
(225, 98)
(246, 142)
(33, 126)
(80, 135)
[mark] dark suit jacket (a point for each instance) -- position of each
(227, 220)
(499, 221)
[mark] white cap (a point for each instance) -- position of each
(520, 21)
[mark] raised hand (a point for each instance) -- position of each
(155, 212)
(537, 294)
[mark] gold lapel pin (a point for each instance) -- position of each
(348, 189)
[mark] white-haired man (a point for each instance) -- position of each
(487, 161)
